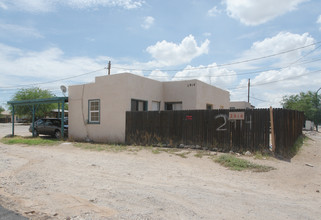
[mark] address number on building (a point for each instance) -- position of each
(236, 115)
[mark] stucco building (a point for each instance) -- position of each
(241, 105)
(97, 111)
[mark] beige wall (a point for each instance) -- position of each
(206, 94)
(180, 91)
(195, 94)
(115, 93)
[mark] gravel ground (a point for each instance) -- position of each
(65, 182)
(19, 129)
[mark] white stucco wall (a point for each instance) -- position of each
(115, 93)
(180, 91)
(207, 94)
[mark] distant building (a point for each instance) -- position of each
(5, 117)
(241, 105)
(97, 111)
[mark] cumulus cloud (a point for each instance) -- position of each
(148, 22)
(159, 75)
(253, 12)
(171, 54)
(21, 67)
(283, 41)
(211, 74)
(268, 87)
(47, 6)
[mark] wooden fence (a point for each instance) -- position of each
(288, 126)
(222, 130)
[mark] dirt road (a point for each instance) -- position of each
(64, 182)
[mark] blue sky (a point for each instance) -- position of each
(274, 43)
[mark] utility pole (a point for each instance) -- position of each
(248, 91)
(109, 67)
(317, 108)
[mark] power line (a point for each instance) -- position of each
(275, 81)
(52, 81)
(224, 64)
(259, 99)
(194, 68)
(239, 74)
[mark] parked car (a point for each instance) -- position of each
(49, 126)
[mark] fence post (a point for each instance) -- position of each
(272, 129)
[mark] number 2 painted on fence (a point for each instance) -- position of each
(220, 128)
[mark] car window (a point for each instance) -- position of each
(39, 122)
(48, 123)
(56, 122)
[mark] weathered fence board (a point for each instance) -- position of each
(214, 129)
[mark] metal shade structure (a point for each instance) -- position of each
(34, 103)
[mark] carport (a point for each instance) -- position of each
(34, 103)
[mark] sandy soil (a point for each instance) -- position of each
(65, 182)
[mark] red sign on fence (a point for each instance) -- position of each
(236, 115)
(189, 117)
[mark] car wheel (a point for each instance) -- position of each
(57, 134)
(35, 133)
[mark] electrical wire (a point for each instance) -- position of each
(52, 81)
(239, 74)
(194, 68)
(224, 64)
(275, 81)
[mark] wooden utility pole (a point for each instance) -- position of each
(272, 129)
(248, 91)
(109, 67)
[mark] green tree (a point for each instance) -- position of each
(308, 102)
(33, 93)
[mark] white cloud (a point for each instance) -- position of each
(211, 74)
(273, 85)
(171, 54)
(319, 21)
(213, 12)
(18, 31)
(159, 75)
(47, 6)
(254, 12)
(127, 4)
(20, 67)
(284, 41)
(29, 5)
(148, 22)
(270, 86)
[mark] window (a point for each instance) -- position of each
(138, 105)
(155, 106)
(94, 111)
(173, 106)
(209, 106)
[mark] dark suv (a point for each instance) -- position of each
(49, 126)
